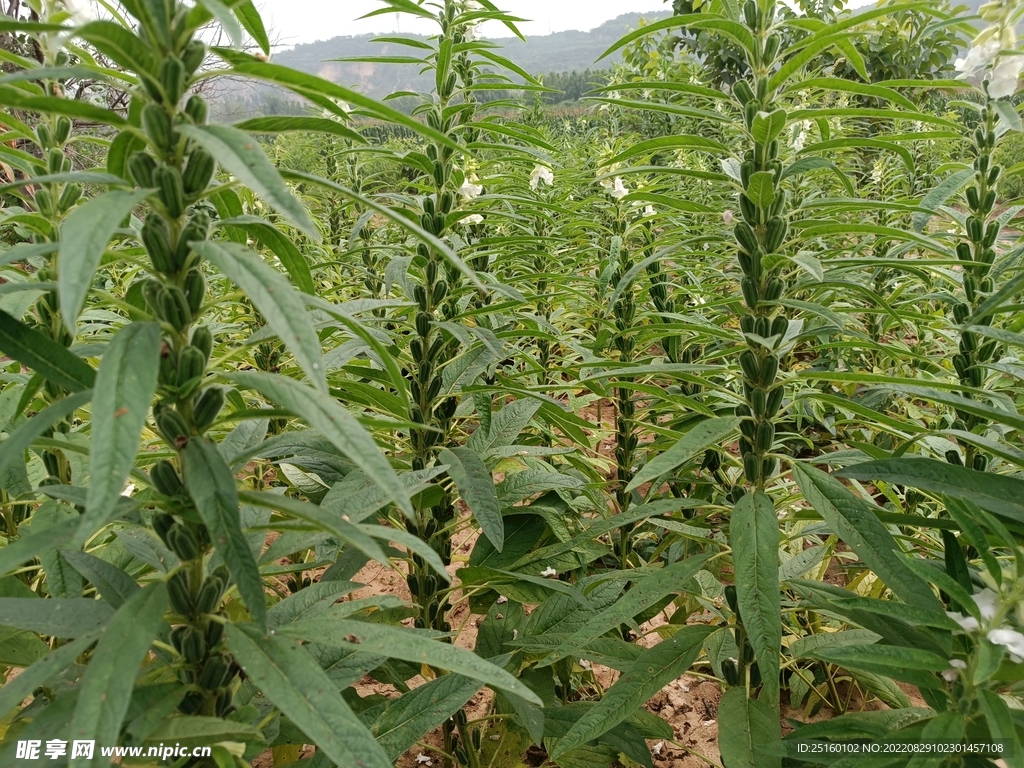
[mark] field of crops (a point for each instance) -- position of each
(678, 428)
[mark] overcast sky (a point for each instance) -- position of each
(304, 21)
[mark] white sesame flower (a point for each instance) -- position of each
(650, 211)
(128, 490)
(421, 759)
(1010, 639)
(967, 623)
(473, 218)
(728, 217)
(81, 11)
(549, 572)
(586, 665)
(876, 173)
(987, 602)
(1005, 76)
(656, 749)
(801, 137)
(470, 189)
(979, 57)
(501, 600)
(618, 190)
(951, 674)
(541, 173)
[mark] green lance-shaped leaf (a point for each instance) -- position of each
(405, 719)
(645, 592)
(12, 450)
(114, 585)
(476, 486)
(20, 687)
(647, 675)
(911, 665)
(253, 23)
(296, 684)
(761, 189)
(710, 432)
(84, 235)
(754, 533)
(1000, 726)
(746, 727)
(124, 390)
(854, 521)
(768, 125)
(335, 423)
(242, 156)
(996, 493)
(211, 485)
(276, 300)
(407, 644)
(108, 682)
(939, 195)
(56, 617)
(43, 355)
(287, 252)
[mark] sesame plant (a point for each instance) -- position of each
(452, 437)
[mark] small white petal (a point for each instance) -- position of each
(549, 572)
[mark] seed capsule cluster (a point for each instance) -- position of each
(761, 234)
(977, 254)
(179, 171)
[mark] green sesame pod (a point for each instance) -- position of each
(428, 205)
(743, 411)
(171, 425)
(215, 673)
(168, 183)
(780, 326)
(963, 252)
(747, 323)
(164, 478)
(778, 207)
(976, 376)
(207, 408)
(191, 365)
(202, 339)
(746, 264)
(168, 373)
(450, 83)
(749, 114)
(980, 463)
(748, 286)
(751, 16)
(988, 256)
(776, 234)
(763, 327)
(223, 706)
(175, 307)
(63, 130)
(196, 230)
(180, 595)
(162, 523)
(973, 200)
(141, 166)
(423, 324)
(745, 237)
(72, 194)
(969, 341)
(773, 290)
(751, 467)
(769, 370)
(990, 200)
(435, 388)
(193, 646)
(960, 366)
(197, 109)
(742, 90)
(993, 175)
(55, 160)
(748, 429)
(774, 402)
(198, 172)
(771, 48)
(157, 126)
(440, 291)
(156, 237)
(209, 595)
(953, 457)
(987, 350)
(195, 291)
(765, 436)
(191, 703)
(440, 174)
(193, 55)
(961, 311)
(213, 633)
(171, 75)
(732, 677)
(151, 290)
(987, 285)
(750, 212)
(991, 234)
(975, 229)
(749, 365)
(44, 202)
(44, 136)
(183, 542)
(758, 402)
(769, 466)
